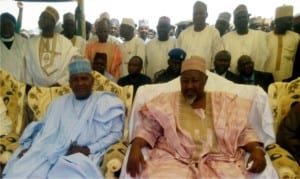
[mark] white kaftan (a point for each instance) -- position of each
(254, 44)
(49, 65)
(133, 47)
(96, 122)
(206, 43)
(157, 55)
(12, 60)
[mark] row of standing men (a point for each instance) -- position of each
(42, 60)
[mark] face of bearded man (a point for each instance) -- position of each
(192, 85)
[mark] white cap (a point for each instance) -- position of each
(143, 23)
(114, 22)
(128, 21)
(224, 16)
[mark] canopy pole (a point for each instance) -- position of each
(80, 19)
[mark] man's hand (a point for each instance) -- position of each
(257, 158)
(20, 5)
(22, 153)
(136, 160)
(78, 149)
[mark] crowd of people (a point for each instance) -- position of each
(42, 59)
(251, 52)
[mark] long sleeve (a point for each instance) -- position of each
(148, 129)
(29, 134)
(112, 137)
(107, 124)
(116, 62)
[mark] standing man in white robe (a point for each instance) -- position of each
(223, 23)
(11, 48)
(283, 44)
(131, 46)
(143, 30)
(111, 38)
(157, 49)
(74, 134)
(245, 41)
(200, 39)
(69, 30)
(48, 55)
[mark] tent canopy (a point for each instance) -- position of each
(44, 0)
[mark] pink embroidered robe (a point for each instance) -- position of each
(172, 149)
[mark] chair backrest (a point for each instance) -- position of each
(40, 97)
(260, 116)
(281, 96)
(13, 94)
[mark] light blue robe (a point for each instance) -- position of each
(96, 122)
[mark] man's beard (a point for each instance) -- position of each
(190, 100)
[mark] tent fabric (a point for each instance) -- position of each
(45, 0)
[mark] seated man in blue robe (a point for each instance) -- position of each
(73, 136)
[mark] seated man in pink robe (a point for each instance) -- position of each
(196, 134)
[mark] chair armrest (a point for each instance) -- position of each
(8, 144)
(113, 159)
(283, 162)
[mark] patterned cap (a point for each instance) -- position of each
(194, 63)
(79, 65)
(114, 22)
(53, 12)
(224, 16)
(143, 23)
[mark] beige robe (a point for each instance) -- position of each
(80, 43)
(133, 47)
(282, 54)
(254, 44)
